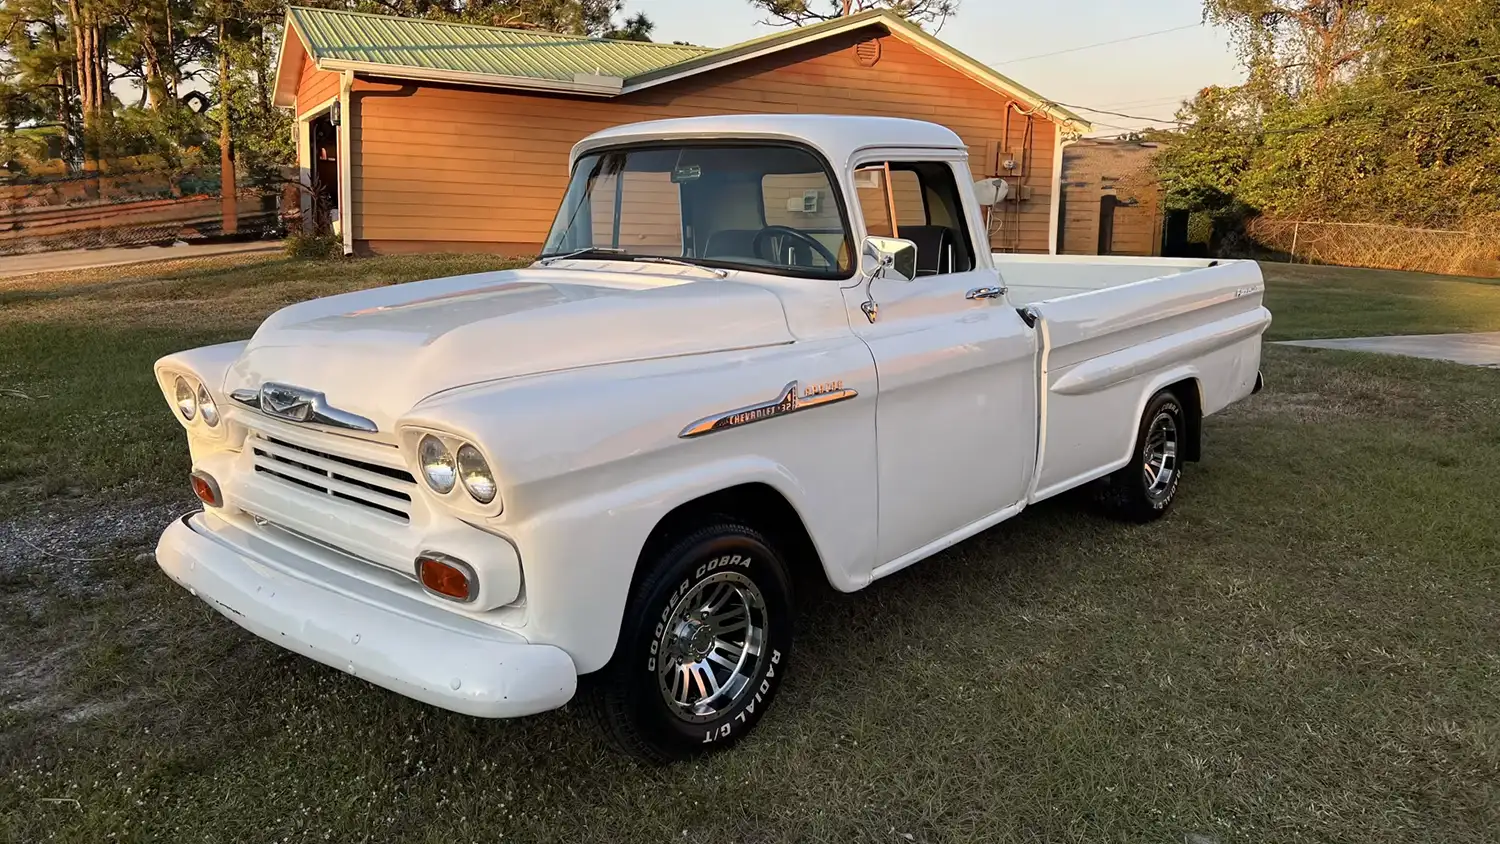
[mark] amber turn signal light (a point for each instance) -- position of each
(207, 489)
(445, 576)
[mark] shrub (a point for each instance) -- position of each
(304, 246)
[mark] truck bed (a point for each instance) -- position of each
(1041, 278)
(1114, 331)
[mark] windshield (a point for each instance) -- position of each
(762, 207)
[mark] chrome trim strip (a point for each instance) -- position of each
(296, 404)
(263, 523)
(789, 401)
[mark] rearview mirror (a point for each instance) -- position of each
(888, 257)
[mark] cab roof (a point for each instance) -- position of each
(837, 137)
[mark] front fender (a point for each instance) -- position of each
(590, 461)
(580, 558)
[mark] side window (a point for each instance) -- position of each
(917, 201)
(650, 218)
(876, 202)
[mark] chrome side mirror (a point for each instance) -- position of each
(885, 257)
(889, 257)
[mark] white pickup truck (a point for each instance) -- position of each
(756, 351)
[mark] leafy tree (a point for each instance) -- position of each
(637, 27)
(924, 13)
(1297, 45)
(1403, 132)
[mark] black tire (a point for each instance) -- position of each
(631, 700)
(1137, 493)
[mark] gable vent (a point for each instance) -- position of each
(867, 52)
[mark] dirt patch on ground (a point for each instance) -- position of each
(56, 538)
(56, 562)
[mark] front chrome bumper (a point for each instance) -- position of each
(396, 641)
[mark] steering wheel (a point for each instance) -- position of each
(794, 234)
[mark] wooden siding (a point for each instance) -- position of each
(1094, 169)
(315, 87)
(458, 166)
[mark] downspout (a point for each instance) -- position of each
(346, 164)
(1055, 224)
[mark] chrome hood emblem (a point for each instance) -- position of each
(296, 404)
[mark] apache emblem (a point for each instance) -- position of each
(790, 400)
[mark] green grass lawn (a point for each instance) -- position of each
(1312, 302)
(1307, 650)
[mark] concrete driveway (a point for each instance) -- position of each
(1470, 349)
(87, 259)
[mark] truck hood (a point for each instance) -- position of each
(377, 353)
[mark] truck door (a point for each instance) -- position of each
(956, 411)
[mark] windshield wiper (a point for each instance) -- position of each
(548, 260)
(657, 259)
(622, 255)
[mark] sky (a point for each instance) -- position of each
(1146, 77)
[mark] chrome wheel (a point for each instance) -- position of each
(1159, 461)
(710, 646)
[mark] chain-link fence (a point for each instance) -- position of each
(124, 207)
(1472, 253)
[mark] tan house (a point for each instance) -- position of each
(432, 136)
(1112, 201)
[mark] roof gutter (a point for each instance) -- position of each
(583, 84)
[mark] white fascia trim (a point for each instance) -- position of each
(979, 73)
(765, 51)
(346, 165)
(289, 31)
(985, 76)
(1054, 224)
(608, 86)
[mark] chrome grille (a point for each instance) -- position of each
(386, 490)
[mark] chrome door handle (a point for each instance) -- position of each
(985, 293)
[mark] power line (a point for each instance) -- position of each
(1100, 44)
(1181, 97)
(1379, 97)
(1117, 113)
(1310, 127)
(1148, 102)
(1393, 94)
(1438, 64)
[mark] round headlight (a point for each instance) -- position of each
(478, 479)
(437, 464)
(187, 403)
(207, 407)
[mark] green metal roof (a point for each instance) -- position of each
(413, 46)
(467, 48)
